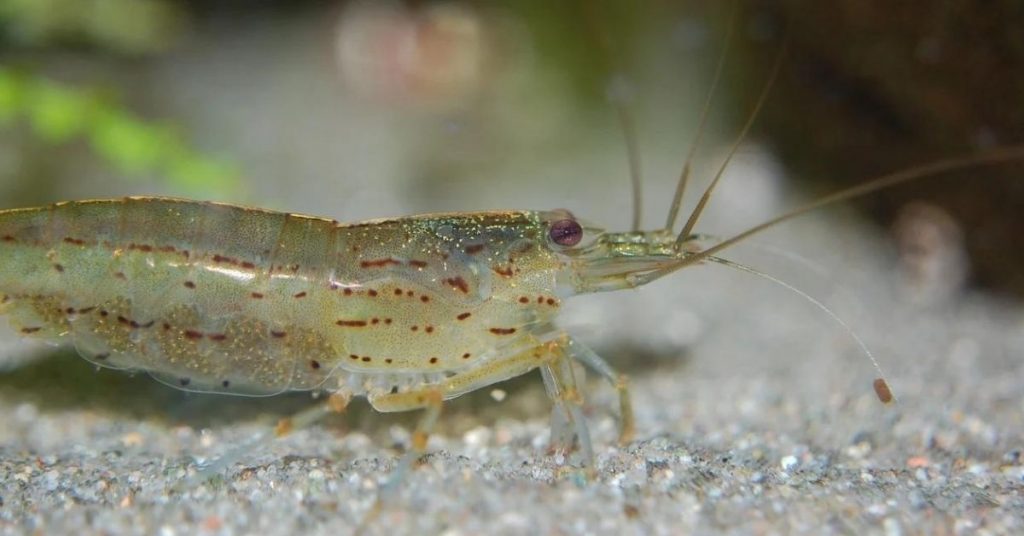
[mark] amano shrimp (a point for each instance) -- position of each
(405, 312)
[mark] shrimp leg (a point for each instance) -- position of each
(335, 403)
(593, 361)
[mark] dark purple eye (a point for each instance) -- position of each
(566, 232)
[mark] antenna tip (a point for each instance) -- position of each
(882, 391)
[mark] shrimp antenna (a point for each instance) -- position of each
(880, 383)
(987, 158)
(684, 175)
(620, 95)
(695, 215)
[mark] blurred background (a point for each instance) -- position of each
(356, 110)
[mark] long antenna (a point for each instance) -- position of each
(987, 158)
(699, 209)
(684, 175)
(879, 381)
(620, 96)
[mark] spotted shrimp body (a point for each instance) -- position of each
(214, 297)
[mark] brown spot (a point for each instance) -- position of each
(882, 390)
(429, 329)
(120, 275)
(540, 299)
(70, 310)
(418, 264)
(347, 291)
(190, 284)
(168, 249)
(75, 241)
(351, 323)
(465, 355)
(8, 238)
(378, 263)
(503, 331)
(103, 312)
(464, 316)
(300, 295)
(415, 328)
(123, 320)
(409, 293)
(367, 359)
(459, 283)
(257, 295)
(314, 364)
(353, 356)
(278, 334)
(58, 267)
(167, 327)
(224, 260)
(375, 321)
(193, 334)
(551, 301)
(141, 247)
(504, 272)
(248, 265)
(30, 330)
(388, 360)
(424, 298)
(474, 249)
(387, 321)
(524, 299)
(433, 360)
(398, 292)
(372, 293)
(217, 337)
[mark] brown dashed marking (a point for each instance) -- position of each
(351, 323)
(248, 265)
(190, 284)
(524, 299)
(217, 336)
(86, 310)
(398, 292)
(459, 283)
(464, 316)
(378, 263)
(75, 241)
(300, 294)
(347, 291)
(367, 359)
(475, 248)
(58, 267)
(504, 272)
(9, 238)
(278, 334)
(375, 321)
(503, 331)
(30, 330)
(314, 364)
(193, 334)
(224, 260)
(141, 247)
(257, 295)
(418, 264)
(70, 310)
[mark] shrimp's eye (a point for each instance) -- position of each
(566, 232)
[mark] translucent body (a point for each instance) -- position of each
(220, 298)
